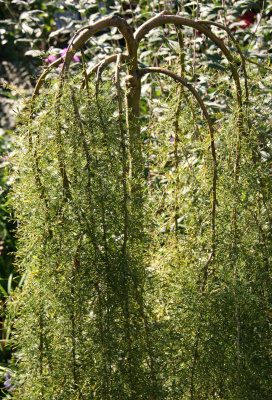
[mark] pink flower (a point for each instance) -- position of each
(50, 59)
(53, 58)
(64, 52)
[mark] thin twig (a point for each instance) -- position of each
(106, 378)
(84, 71)
(213, 210)
(41, 349)
(257, 25)
(103, 64)
(125, 211)
(124, 152)
(176, 124)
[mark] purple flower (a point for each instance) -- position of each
(7, 382)
(5, 158)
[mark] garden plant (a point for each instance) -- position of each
(144, 226)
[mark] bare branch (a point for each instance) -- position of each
(166, 18)
(226, 29)
(183, 81)
(54, 64)
(103, 64)
(124, 151)
(84, 70)
(83, 35)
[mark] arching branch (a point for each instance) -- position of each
(54, 64)
(205, 269)
(103, 64)
(243, 58)
(77, 42)
(166, 18)
(183, 81)
(82, 36)
(84, 71)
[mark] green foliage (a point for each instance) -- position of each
(81, 326)
(217, 340)
(104, 317)
(7, 246)
(38, 26)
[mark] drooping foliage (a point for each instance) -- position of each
(87, 334)
(35, 32)
(99, 318)
(214, 314)
(146, 252)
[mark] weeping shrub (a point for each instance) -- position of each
(146, 251)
